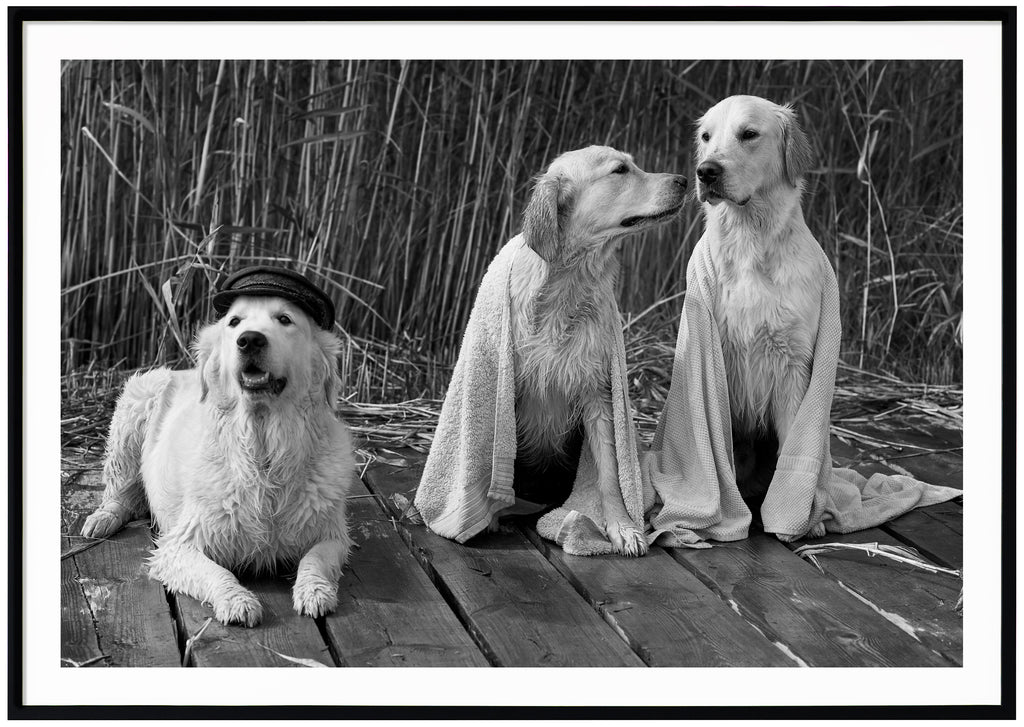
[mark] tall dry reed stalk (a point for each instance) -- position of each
(393, 183)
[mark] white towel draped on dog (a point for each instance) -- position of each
(690, 465)
(467, 480)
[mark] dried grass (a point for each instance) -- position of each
(899, 554)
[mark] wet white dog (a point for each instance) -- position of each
(241, 462)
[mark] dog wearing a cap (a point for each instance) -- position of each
(241, 461)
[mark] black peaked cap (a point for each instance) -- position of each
(267, 280)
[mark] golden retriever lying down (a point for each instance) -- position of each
(241, 462)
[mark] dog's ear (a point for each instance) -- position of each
(797, 155)
(328, 347)
(207, 353)
(541, 223)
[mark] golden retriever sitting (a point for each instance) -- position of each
(563, 318)
(241, 462)
(751, 157)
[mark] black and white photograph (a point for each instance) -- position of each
(580, 361)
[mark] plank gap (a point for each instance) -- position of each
(795, 605)
(321, 624)
(525, 611)
(600, 606)
(442, 588)
(179, 626)
(923, 548)
(712, 586)
(390, 612)
(655, 606)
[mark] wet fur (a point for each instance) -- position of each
(564, 313)
(235, 484)
(563, 354)
(767, 264)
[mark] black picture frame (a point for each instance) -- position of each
(17, 18)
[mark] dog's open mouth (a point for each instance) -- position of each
(639, 219)
(255, 379)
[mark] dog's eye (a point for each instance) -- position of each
(235, 320)
(621, 169)
(284, 320)
(705, 136)
(749, 134)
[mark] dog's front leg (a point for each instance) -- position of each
(789, 392)
(316, 583)
(625, 537)
(184, 568)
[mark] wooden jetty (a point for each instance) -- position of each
(411, 598)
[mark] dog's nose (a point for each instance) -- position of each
(251, 341)
(679, 180)
(709, 172)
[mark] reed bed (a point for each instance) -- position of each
(393, 183)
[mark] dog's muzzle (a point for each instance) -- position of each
(678, 185)
(254, 377)
(709, 185)
(709, 176)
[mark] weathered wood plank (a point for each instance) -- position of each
(132, 616)
(516, 605)
(282, 632)
(916, 601)
(389, 613)
(951, 516)
(663, 611)
(937, 468)
(78, 642)
(936, 531)
(799, 608)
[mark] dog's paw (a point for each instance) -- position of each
(627, 539)
(314, 596)
(238, 607)
(101, 524)
(816, 531)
